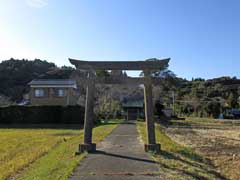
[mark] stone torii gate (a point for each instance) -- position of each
(146, 66)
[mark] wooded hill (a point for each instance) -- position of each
(197, 97)
(16, 74)
(201, 97)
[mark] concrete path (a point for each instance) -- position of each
(119, 157)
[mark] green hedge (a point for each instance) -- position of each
(42, 115)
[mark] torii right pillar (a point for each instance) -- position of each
(149, 115)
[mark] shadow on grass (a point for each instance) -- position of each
(195, 176)
(191, 155)
(190, 160)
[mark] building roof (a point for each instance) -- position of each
(133, 104)
(133, 101)
(52, 82)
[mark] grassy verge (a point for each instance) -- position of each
(43, 154)
(177, 161)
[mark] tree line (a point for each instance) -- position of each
(204, 98)
(196, 97)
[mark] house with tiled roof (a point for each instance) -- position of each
(53, 92)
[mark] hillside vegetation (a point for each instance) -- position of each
(16, 74)
(196, 97)
(207, 98)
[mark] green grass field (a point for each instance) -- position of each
(43, 153)
(177, 161)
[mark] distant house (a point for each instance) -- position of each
(53, 92)
(133, 107)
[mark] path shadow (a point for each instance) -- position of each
(124, 157)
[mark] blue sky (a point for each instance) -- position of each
(202, 37)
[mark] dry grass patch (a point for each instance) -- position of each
(179, 162)
(218, 140)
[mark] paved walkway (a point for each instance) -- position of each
(119, 157)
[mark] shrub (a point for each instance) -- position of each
(42, 115)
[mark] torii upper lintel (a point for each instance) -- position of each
(155, 64)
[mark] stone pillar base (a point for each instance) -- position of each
(86, 147)
(152, 148)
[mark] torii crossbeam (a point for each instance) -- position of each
(146, 66)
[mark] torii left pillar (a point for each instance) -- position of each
(89, 116)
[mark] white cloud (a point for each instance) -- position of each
(37, 3)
